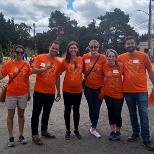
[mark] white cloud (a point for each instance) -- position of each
(38, 11)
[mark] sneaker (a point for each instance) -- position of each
(67, 135)
(11, 142)
(95, 133)
(37, 141)
(77, 134)
(148, 146)
(118, 136)
(112, 136)
(48, 135)
(22, 140)
(133, 137)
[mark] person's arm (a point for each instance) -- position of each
(58, 86)
(40, 70)
(151, 77)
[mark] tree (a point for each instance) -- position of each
(2, 30)
(23, 34)
(61, 24)
(114, 28)
(63, 28)
(11, 34)
(43, 41)
(143, 37)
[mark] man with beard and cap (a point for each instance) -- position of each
(135, 89)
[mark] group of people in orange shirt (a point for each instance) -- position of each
(109, 77)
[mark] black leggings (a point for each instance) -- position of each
(69, 101)
(114, 106)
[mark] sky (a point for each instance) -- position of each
(83, 11)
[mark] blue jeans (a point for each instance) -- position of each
(139, 100)
(45, 101)
(94, 104)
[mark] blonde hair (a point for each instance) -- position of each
(94, 41)
(116, 55)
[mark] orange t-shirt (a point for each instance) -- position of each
(95, 79)
(73, 76)
(19, 85)
(135, 66)
(46, 81)
(113, 80)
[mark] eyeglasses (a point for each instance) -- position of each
(17, 52)
(75, 64)
(91, 47)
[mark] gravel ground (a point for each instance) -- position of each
(88, 143)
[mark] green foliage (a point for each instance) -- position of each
(1, 52)
(143, 37)
(113, 28)
(11, 33)
(110, 33)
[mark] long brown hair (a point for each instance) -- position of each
(116, 55)
(68, 55)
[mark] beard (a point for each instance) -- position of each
(130, 49)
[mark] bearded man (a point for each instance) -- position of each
(135, 90)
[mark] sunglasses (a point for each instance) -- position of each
(17, 52)
(91, 47)
(75, 64)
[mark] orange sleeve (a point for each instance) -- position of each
(4, 68)
(148, 64)
(62, 66)
(83, 59)
(58, 73)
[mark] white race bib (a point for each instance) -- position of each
(115, 71)
(87, 61)
(42, 64)
(135, 61)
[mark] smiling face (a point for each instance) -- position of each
(130, 45)
(111, 58)
(53, 50)
(73, 50)
(18, 54)
(93, 47)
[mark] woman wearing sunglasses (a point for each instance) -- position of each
(93, 63)
(17, 93)
(72, 87)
